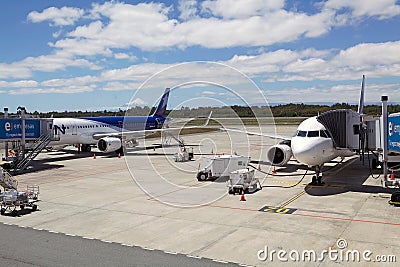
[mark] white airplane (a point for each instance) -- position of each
(112, 133)
(313, 144)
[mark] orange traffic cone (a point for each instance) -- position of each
(392, 175)
(259, 167)
(94, 156)
(242, 198)
(274, 170)
(119, 155)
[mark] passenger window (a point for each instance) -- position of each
(313, 134)
(302, 133)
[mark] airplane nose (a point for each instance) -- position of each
(303, 155)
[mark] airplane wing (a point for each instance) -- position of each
(143, 133)
(273, 136)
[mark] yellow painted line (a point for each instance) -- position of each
(292, 199)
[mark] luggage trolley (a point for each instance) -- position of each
(12, 199)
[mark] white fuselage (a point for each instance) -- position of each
(312, 144)
(79, 131)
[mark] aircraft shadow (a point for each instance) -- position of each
(341, 182)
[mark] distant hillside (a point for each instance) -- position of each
(282, 110)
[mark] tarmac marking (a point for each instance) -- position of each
(345, 219)
(194, 257)
(70, 235)
(170, 252)
(220, 261)
(279, 210)
(292, 199)
(303, 214)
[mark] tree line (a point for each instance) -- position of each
(282, 110)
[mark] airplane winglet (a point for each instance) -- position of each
(361, 101)
(208, 119)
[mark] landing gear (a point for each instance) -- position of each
(317, 178)
(86, 148)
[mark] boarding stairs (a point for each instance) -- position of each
(7, 181)
(167, 137)
(37, 147)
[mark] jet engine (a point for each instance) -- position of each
(279, 155)
(109, 144)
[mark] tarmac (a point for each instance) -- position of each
(146, 199)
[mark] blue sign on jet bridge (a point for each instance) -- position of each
(394, 133)
(11, 129)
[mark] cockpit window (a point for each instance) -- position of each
(301, 133)
(313, 134)
(323, 133)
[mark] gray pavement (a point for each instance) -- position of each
(145, 199)
(29, 247)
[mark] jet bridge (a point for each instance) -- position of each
(344, 127)
(25, 136)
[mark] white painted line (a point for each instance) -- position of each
(151, 249)
(244, 265)
(70, 235)
(126, 245)
(195, 257)
(106, 241)
(220, 261)
(170, 252)
(85, 237)
(51, 231)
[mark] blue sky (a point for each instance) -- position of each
(94, 55)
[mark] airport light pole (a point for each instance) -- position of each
(23, 137)
(6, 142)
(384, 137)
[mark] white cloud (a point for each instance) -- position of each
(230, 9)
(359, 8)
(187, 9)
(333, 94)
(120, 86)
(137, 102)
(57, 90)
(57, 16)
(149, 27)
(124, 56)
(22, 83)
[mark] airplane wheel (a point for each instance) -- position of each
(14, 213)
(34, 207)
(3, 211)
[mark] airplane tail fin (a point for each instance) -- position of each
(162, 107)
(361, 101)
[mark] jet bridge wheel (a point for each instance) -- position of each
(201, 176)
(395, 199)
